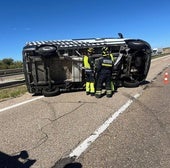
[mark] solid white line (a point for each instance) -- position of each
(87, 142)
(19, 104)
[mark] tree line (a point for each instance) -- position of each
(9, 63)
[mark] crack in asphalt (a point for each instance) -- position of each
(70, 112)
(144, 106)
(45, 138)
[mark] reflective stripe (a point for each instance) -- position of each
(107, 65)
(108, 92)
(92, 89)
(88, 70)
(112, 58)
(98, 92)
(112, 86)
(107, 61)
(87, 86)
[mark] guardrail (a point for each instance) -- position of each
(12, 84)
(8, 72)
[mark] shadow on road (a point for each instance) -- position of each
(73, 165)
(67, 163)
(17, 161)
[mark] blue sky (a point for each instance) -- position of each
(31, 20)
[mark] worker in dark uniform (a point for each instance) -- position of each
(104, 67)
(88, 63)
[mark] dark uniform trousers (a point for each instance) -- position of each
(104, 75)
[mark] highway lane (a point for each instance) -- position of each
(4, 79)
(51, 128)
(140, 137)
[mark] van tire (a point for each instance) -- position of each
(130, 84)
(50, 93)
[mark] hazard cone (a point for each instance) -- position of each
(166, 76)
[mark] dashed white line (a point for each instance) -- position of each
(87, 142)
(19, 104)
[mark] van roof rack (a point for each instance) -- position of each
(78, 43)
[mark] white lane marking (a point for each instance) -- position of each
(87, 142)
(19, 104)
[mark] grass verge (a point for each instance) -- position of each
(12, 92)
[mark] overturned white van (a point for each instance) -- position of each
(51, 67)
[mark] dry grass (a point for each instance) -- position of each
(12, 92)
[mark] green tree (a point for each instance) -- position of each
(18, 64)
(9, 63)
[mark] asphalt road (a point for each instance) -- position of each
(140, 138)
(5, 79)
(54, 132)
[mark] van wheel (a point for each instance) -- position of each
(130, 83)
(51, 92)
(46, 50)
(139, 76)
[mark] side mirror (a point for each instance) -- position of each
(120, 35)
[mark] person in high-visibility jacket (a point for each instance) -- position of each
(88, 63)
(104, 67)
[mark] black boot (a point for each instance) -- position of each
(109, 95)
(87, 93)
